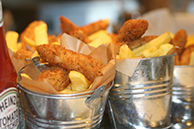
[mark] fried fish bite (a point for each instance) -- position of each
(69, 60)
(82, 32)
(179, 41)
(137, 43)
(176, 58)
(57, 77)
(132, 30)
(185, 57)
(95, 26)
(66, 25)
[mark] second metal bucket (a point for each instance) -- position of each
(183, 97)
(143, 100)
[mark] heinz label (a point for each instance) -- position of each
(9, 114)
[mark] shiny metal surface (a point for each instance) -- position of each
(75, 111)
(183, 97)
(143, 100)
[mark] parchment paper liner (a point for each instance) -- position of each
(127, 66)
(103, 53)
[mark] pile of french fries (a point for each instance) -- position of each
(160, 46)
(24, 46)
(95, 34)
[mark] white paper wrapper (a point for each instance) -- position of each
(75, 45)
(127, 66)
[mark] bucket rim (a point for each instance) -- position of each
(150, 58)
(183, 66)
(61, 96)
(86, 93)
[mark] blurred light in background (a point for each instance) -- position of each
(82, 12)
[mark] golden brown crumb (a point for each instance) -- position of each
(57, 77)
(52, 38)
(185, 57)
(23, 54)
(132, 30)
(66, 25)
(179, 41)
(82, 32)
(69, 60)
(94, 27)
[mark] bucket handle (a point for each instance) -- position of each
(34, 60)
(98, 93)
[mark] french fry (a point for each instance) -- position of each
(163, 50)
(125, 52)
(78, 81)
(30, 42)
(35, 34)
(190, 40)
(155, 43)
(192, 59)
(99, 38)
(11, 39)
(149, 52)
(171, 35)
(41, 36)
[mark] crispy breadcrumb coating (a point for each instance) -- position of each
(23, 54)
(66, 25)
(132, 30)
(81, 32)
(179, 41)
(69, 60)
(57, 77)
(185, 57)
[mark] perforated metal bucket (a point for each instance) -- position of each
(70, 111)
(183, 97)
(143, 100)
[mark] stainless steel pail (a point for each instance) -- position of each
(68, 111)
(183, 97)
(143, 100)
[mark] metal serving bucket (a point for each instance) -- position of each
(70, 111)
(183, 97)
(143, 100)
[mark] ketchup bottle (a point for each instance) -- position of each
(9, 113)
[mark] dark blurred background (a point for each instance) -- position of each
(19, 13)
